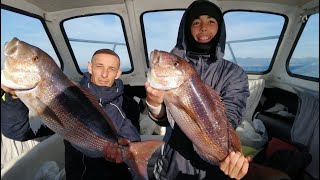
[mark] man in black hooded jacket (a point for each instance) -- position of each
(102, 80)
(201, 42)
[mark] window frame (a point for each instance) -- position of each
(309, 78)
(281, 35)
(94, 14)
(42, 20)
(144, 33)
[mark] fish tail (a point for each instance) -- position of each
(138, 155)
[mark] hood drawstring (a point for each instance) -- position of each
(85, 167)
(123, 116)
(100, 102)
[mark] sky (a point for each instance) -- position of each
(161, 31)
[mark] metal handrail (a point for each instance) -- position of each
(246, 40)
(98, 42)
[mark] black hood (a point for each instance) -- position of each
(217, 45)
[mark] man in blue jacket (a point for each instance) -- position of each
(103, 81)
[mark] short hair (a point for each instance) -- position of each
(105, 51)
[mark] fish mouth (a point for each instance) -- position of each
(154, 58)
(11, 48)
(163, 61)
(5, 80)
(154, 61)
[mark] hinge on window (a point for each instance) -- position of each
(303, 18)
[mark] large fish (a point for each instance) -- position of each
(194, 106)
(199, 112)
(66, 108)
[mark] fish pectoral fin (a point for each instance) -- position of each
(138, 155)
(39, 108)
(35, 121)
(36, 109)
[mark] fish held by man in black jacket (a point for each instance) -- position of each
(66, 108)
(194, 106)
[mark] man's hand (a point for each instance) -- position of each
(8, 90)
(235, 165)
(154, 96)
(112, 151)
(154, 101)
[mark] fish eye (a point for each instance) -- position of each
(35, 58)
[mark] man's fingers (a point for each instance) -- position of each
(106, 151)
(112, 152)
(8, 90)
(119, 156)
(237, 166)
(225, 163)
(244, 170)
(123, 141)
(249, 158)
(233, 161)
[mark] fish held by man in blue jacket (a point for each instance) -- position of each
(66, 108)
(194, 106)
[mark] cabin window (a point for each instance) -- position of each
(26, 28)
(252, 39)
(90, 33)
(161, 29)
(304, 61)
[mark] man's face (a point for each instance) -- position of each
(204, 28)
(104, 69)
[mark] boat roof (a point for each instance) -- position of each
(54, 12)
(62, 5)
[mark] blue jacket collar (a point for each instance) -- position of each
(104, 94)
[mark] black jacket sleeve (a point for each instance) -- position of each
(15, 120)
